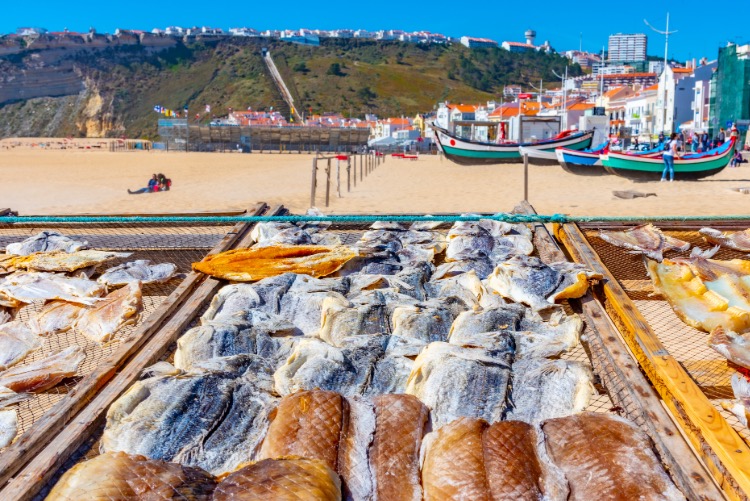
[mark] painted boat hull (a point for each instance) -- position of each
(538, 157)
(465, 152)
(580, 163)
(650, 169)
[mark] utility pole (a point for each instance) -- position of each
(666, 34)
(564, 121)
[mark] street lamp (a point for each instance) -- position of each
(666, 34)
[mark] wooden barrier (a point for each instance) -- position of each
(367, 163)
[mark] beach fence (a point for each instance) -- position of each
(130, 145)
(364, 162)
(178, 135)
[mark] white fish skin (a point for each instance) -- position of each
(353, 460)
(8, 427)
(141, 270)
(4, 317)
(16, 341)
(10, 397)
(44, 373)
(735, 347)
(45, 241)
(740, 406)
(56, 317)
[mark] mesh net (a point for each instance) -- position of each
(708, 369)
(159, 243)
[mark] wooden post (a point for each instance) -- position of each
(361, 175)
(328, 180)
(338, 177)
(348, 173)
(526, 178)
(354, 159)
(314, 181)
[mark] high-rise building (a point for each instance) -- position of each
(627, 48)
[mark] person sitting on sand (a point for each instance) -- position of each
(736, 159)
(153, 185)
(164, 182)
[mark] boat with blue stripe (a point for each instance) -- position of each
(586, 162)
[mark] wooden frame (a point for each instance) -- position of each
(723, 451)
(32, 445)
(613, 363)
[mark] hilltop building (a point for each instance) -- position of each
(530, 36)
(730, 93)
(627, 47)
(473, 43)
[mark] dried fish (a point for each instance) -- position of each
(45, 241)
(257, 263)
(645, 239)
(735, 347)
(138, 271)
(604, 456)
(740, 406)
(64, 261)
(290, 479)
(214, 419)
(120, 476)
(31, 286)
(101, 321)
(544, 389)
(8, 426)
(454, 381)
(342, 319)
(56, 317)
(737, 240)
(16, 341)
(306, 424)
(44, 373)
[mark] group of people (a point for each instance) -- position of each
(158, 182)
(697, 143)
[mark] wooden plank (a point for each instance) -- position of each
(54, 420)
(209, 213)
(247, 241)
(723, 451)
(688, 225)
(613, 356)
(638, 286)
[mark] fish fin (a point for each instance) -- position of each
(718, 336)
(161, 369)
(706, 254)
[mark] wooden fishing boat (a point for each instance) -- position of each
(583, 162)
(692, 166)
(538, 157)
(467, 152)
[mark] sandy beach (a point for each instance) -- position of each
(37, 181)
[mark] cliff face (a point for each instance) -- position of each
(94, 86)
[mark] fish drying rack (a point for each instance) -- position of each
(621, 387)
(690, 377)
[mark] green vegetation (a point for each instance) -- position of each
(352, 76)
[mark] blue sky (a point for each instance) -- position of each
(703, 26)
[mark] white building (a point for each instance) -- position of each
(676, 96)
(640, 112)
(472, 42)
(627, 47)
(701, 105)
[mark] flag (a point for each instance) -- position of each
(186, 111)
(208, 108)
(157, 108)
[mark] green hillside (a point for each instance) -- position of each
(350, 76)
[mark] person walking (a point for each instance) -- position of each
(668, 156)
(722, 137)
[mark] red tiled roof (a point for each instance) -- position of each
(520, 44)
(630, 75)
(463, 108)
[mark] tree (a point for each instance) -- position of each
(335, 69)
(366, 94)
(301, 67)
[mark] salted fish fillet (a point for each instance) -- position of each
(118, 477)
(16, 341)
(703, 304)
(479, 320)
(306, 424)
(453, 462)
(454, 381)
(65, 261)
(529, 281)
(400, 422)
(56, 317)
(316, 364)
(516, 465)
(256, 263)
(31, 286)
(735, 347)
(140, 270)
(45, 373)
(101, 321)
(4, 317)
(606, 457)
(45, 241)
(214, 419)
(292, 479)
(424, 322)
(737, 240)
(646, 239)
(545, 389)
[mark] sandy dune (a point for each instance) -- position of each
(85, 181)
